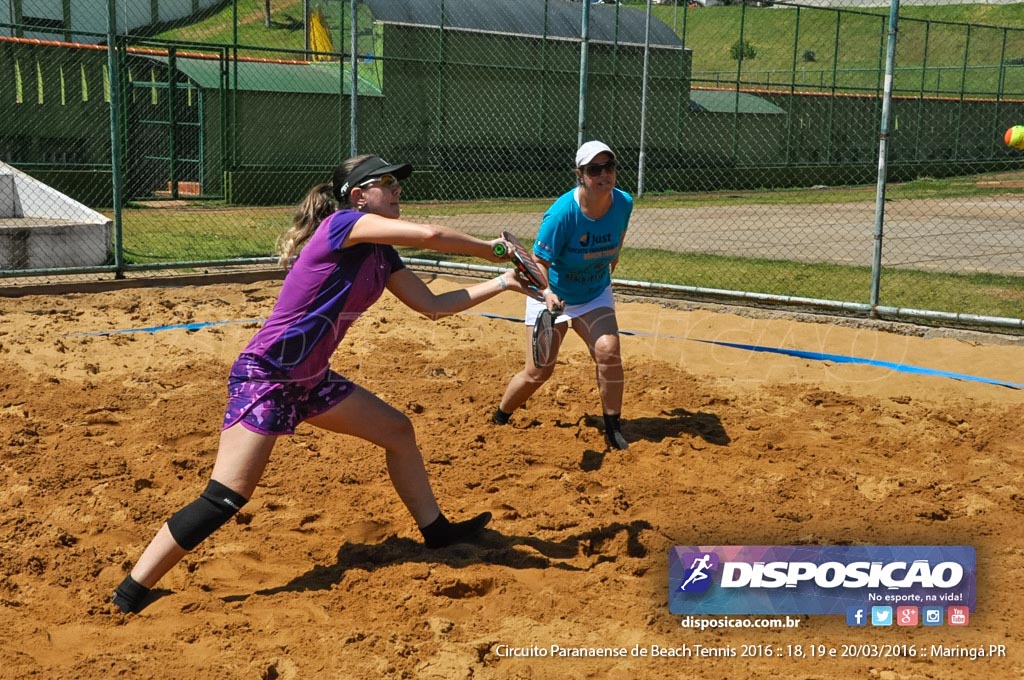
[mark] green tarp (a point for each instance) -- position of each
(725, 101)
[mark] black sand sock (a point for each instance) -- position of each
(500, 417)
(441, 533)
(613, 432)
(130, 595)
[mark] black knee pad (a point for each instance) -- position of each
(193, 523)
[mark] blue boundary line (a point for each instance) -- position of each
(156, 329)
(797, 353)
(814, 356)
(842, 359)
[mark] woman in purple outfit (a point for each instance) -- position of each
(282, 378)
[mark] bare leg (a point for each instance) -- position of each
(241, 459)
(527, 381)
(366, 416)
(600, 330)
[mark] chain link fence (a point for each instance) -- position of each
(749, 135)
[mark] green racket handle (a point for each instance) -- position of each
(500, 250)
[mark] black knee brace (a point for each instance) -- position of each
(193, 523)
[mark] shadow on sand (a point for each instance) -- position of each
(493, 547)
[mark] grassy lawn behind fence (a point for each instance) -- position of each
(164, 235)
(983, 294)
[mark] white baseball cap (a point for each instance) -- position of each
(590, 149)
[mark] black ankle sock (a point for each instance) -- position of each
(613, 432)
(500, 417)
(441, 532)
(130, 595)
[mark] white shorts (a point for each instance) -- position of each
(534, 307)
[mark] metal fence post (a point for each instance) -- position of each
(353, 124)
(437, 147)
(643, 104)
(341, 83)
(918, 134)
(545, 73)
(740, 50)
(225, 57)
(792, 88)
(1000, 83)
(172, 118)
(233, 87)
(115, 138)
(305, 30)
(584, 67)
(963, 86)
(883, 153)
(830, 127)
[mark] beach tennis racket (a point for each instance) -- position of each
(543, 338)
(523, 261)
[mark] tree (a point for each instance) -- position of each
(742, 51)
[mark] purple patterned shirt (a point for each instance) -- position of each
(326, 290)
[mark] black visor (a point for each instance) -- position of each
(371, 168)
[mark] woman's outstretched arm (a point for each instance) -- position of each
(376, 229)
(415, 294)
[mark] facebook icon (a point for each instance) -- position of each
(856, 616)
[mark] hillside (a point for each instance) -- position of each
(938, 51)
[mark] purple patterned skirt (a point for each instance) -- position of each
(265, 400)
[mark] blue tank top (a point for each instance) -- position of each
(579, 248)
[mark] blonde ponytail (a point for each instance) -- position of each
(318, 204)
(314, 209)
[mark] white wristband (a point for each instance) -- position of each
(546, 292)
(501, 282)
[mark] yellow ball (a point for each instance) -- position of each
(1014, 137)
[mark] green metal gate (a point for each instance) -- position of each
(164, 133)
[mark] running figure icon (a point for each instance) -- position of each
(698, 570)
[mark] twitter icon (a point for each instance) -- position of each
(881, 616)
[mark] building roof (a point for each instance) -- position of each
(263, 76)
(535, 18)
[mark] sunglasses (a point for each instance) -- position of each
(385, 181)
(595, 169)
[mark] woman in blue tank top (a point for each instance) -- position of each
(578, 244)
